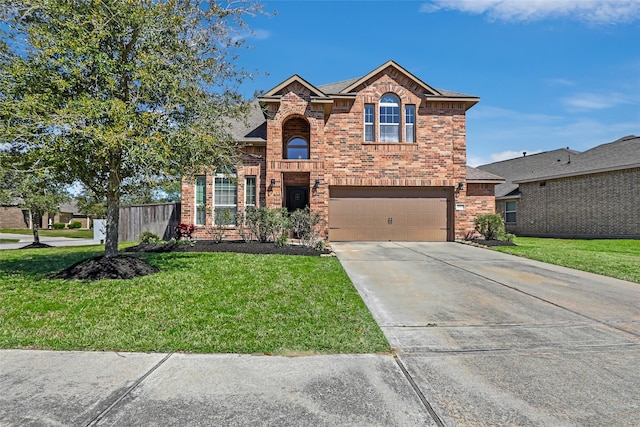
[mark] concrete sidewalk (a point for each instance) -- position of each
(26, 239)
(134, 389)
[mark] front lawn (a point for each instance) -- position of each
(74, 233)
(614, 258)
(199, 302)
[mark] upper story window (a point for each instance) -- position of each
(389, 118)
(369, 122)
(296, 137)
(394, 121)
(410, 123)
(298, 148)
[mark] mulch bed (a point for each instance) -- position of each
(492, 243)
(36, 246)
(228, 246)
(118, 267)
(128, 267)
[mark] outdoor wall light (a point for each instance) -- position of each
(316, 184)
(273, 183)
(460, 186)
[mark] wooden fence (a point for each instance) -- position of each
(160, 219)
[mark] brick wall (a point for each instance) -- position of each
(340, 157)
(13, 217)
(479, 199)
(603, 204)
(252, 163)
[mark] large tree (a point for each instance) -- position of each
(114, 92)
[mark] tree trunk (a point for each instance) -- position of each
(113, 218)
(34, 228)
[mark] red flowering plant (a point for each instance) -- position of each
(184, 231)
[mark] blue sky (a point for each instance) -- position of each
(549, 73)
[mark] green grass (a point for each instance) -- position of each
(9, 240)
(199, 302)
(613, 258)
(75, 233)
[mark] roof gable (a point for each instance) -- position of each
(279, 89)
(389, 64)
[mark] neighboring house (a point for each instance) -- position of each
(68, 213)
(566, 193)
(380, 157)
(14, 216)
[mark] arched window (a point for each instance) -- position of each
(298, 148)
(389, 118)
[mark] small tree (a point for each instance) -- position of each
(36, 191)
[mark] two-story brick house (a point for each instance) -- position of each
(381, 157)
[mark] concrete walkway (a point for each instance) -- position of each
(492, 339)
(25, 239)
(133, 389)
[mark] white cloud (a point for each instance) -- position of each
(590, 11)
(559, 81)
(595, 101)
(254, 34)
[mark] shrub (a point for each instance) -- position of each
(266, 224)
(490, 226)
(148, 237)
(184, 231)
(241, 228)
(58, 225)
(223, 219)
(74, 224)
(304, 224)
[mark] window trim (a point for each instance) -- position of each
(246, 191)
(407, 125)
(395, 105)
(371, 124)
(514, 211)
(202, 209)
(228, 174)
(307, 146)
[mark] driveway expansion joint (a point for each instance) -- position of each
(421, 396)
(128, 391)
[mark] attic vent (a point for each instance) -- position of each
(543, 183)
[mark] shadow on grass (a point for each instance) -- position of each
(37, 264)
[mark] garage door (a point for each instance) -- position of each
(384, 214)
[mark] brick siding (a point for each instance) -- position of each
(340, 157)
(595, 205)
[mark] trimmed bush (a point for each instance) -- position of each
(74, 225)
(148, 237)
(490, 226)
(58, 225)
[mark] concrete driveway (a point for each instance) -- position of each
(493, 339)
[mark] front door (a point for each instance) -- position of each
(297, 198)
